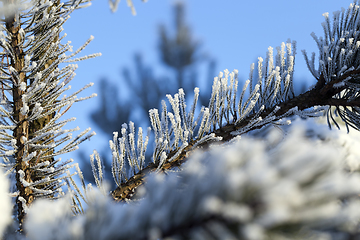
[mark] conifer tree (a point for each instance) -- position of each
(239, 188)
(32, 99)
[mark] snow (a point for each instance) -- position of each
(56, 216)
(257, 185)
(225, 181)
(5, 203)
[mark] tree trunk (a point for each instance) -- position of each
(24, 128)
(21, 131)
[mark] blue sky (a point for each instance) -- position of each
(233, 32)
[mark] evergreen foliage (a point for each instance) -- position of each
(183, 61)
(33, 100)
(206, 178)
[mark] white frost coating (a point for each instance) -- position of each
(337, 47)
(207, 187)
(22, 180)
(13, 142)
(23, 202)
(340, 139)
(9, 152)
(24, 109)
(196, 90)
(56, 214)
(351, 40)
(22, 86)
(5, 203)
(27, 60)
(162, 159)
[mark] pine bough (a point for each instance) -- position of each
(33, 100)
(236, 196)
(247, 189)
(264, 100)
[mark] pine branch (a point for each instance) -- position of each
(309, 99)
(32, 103)
(271, 98)
(273, 188)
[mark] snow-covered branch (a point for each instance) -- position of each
(275, 188)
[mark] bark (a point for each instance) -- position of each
(22, 129)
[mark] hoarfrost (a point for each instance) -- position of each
(5, 203)
(246, 183)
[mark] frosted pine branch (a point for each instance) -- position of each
(175, 134)
(339, 65)
(33, 97)
(261, 189)
(270, 99)
(257, 190)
